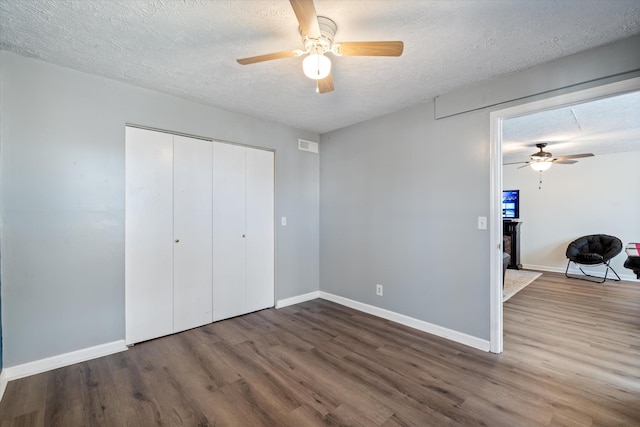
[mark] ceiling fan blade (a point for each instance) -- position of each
(325, 85)
(524, 166)
(268, 57)
(307, 18)
(564, 162)
(514, 163)
(390, 48)
(574, 156)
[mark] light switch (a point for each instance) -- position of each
(482, 223)
(283, 220)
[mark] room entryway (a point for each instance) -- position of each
(498, 119)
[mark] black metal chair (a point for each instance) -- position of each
(592, 250)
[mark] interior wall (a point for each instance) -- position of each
(401, 196)
(597, 195)
(62, 174)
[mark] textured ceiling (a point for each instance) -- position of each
(609, 125)
(188, 48)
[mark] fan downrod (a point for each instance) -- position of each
(541, 155)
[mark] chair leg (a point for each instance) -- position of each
(600, 279)
(614, 272)
(595, 277)
(566, 271)
(573, 276)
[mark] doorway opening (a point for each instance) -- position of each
(497, 119)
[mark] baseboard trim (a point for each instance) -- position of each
(3, 382)
(575, 271)
(421, 325)
(61, 360)
(297, 299)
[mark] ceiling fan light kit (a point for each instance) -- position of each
(316, 66)
(317, 38)
(540, 165)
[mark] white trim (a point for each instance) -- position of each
(61, 360)
(495, 141)
(3, 382)
(495, 236)
(297, 299)
(421, 325)
(575, 270)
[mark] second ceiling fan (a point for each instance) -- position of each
(317, 34)
(542, 160)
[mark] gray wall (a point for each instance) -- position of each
(400, 199)
(400, 196)
(62, 174)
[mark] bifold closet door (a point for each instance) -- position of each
(260, 229)
(199, 232)
(192, 248)
(229, 235)
(243, 230)
(148, 235)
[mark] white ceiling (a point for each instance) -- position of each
(188, 48)
(609, 125)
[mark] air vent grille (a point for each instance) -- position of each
(310, 146)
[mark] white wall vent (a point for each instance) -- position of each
(307, 146)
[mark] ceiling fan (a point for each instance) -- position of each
(542, 160)
(317, 38)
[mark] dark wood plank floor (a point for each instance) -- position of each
(572, 357)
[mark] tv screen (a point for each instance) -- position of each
(511, 204)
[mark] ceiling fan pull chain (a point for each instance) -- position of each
(540, 183)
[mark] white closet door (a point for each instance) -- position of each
(192, 226)
(260, 229)
(148, 235)
(229, 258)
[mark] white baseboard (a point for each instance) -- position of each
(59, 361)
(575, 271)
(3, 382)
(421, 325)
(297, 299)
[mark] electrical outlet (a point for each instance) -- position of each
(379, 290)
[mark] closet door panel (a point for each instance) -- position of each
(260, 229)
(229, 276)
(148, 235)
(192, 228)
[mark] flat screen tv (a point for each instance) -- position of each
(511, 204)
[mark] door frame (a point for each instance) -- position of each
(495, 211)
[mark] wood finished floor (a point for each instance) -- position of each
(572, 357)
